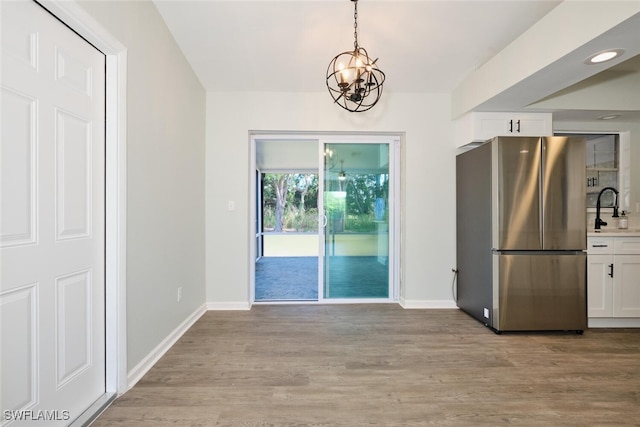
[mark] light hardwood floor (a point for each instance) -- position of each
(364, 365)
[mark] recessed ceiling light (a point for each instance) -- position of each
(604, 56)
(609, 117)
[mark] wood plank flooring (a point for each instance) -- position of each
(381, 365)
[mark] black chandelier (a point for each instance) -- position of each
(353, 78)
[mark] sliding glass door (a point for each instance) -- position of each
(325, 218)
(355, 199)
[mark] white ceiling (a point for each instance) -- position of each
(285, 46)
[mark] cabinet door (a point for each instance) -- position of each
(626, 278)
(489, 125)
(599, 286)
(482, 126)
(534, 125)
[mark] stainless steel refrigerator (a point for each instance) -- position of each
(521, 233)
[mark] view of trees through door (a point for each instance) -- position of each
(290, 226)
(287, 268)
(290, 202)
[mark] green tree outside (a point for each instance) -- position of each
(290, 202)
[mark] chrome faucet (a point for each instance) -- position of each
(599, 221)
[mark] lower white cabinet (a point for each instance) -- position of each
(613, 277)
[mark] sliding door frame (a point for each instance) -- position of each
(394, 142)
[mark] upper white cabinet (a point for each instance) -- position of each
(479, 127)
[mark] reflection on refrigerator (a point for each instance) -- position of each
(521, 233)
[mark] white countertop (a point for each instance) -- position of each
(614, 232)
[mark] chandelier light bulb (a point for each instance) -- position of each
(344, 74)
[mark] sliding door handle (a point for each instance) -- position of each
(324, 221)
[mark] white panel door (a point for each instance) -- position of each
(52, 158)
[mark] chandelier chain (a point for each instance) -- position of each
(355, 24)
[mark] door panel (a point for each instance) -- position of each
(18, 169)
(18, 325)
(73, 176)
(564, 193)
(73, 317)
(519, 222)
(355, 201)
(52, 224)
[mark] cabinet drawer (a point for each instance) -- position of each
(600, 245)
(627, 245)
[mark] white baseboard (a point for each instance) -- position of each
(152, 358)
(228, 305)
(421, 304)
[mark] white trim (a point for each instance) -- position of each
(395, 170)
(624, 160)
(322, 220)
(78, 19)
(154, 355)
(614, 322)
(394, 142)
(228, 305)
(116, 233)
(431, 304)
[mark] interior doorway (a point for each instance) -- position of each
(325, 218)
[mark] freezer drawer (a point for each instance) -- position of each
(536, 292)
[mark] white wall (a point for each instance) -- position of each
(428, 216)
(165, 176)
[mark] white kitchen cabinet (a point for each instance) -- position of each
(599, 286)
(613, 277)
(478, 127)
